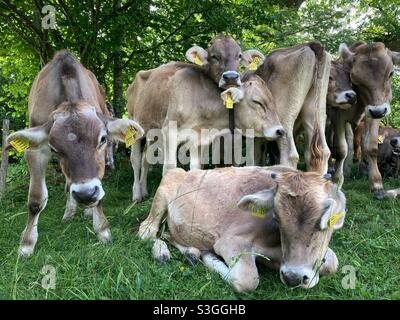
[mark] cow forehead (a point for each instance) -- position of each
(224, 45)
(77, 126)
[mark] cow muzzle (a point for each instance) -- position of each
(301, 277)
(346, 97)
(229, 79)
(395, 142)
(274, 133)
(88, 193)
(377, 112)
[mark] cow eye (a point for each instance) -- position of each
(103, 140)
(240, 56)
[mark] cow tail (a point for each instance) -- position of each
(317, 143)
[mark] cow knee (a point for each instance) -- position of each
(245, 282)
(35, 206)
(330, 265)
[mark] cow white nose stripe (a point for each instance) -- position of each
(88, 192)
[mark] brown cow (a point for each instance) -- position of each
(189, 94)
(298, 79)
(341, 100)
(388, 150)
(68, 115)
(231, 216)
(371, 68)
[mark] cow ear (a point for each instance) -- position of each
(197, 55)
(345, 53)
(396, 57)
(236, 94)
(262, 199)
(330, 218)
(251, 59)
(29, 138)
(124, 129)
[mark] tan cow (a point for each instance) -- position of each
(371, 69)
(228, 217)
(341, 101)
(190, 96)
(68, 115)
(298, 80)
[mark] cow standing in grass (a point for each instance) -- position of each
(371, 70)
(68, 115)
(298, 79)
(228, 217)
(190, 96)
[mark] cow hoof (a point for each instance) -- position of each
(88, 212)
(192, 258)
(104, 236)
(25, 251)
(160, 251)
(391, 194)
(379, 195)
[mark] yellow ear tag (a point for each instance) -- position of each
(20, 144)
(334, 219)
(197, 60)
(228, 102)
(254, 64)
(258, 212)
(380, 139)
(130, 136)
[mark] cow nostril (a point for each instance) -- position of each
(305, 279)
(280, 132)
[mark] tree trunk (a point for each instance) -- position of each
(118, 88)
(4, 158)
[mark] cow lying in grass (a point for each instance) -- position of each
(228, 217)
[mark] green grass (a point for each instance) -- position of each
(86, 269)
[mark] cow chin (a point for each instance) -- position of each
(87, 193)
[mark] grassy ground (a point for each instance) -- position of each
(85, 269)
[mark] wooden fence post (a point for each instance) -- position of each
(4, 158)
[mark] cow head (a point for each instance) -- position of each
(222, 60)
(340, 92)
(255, 108)
(79, 135)
(371, 74)
(307, 208)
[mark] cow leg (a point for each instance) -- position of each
(70, 207)
(196, 157)
(341, 149)
(243, 275)
(350, 150)
(287, 150)
(192, 254)
(100, 224)
(331, 263)
(37, 198)
(143, 174)
(170, 150)
(136, 157)
(370, 149)
(148, 228)
(259, 152)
